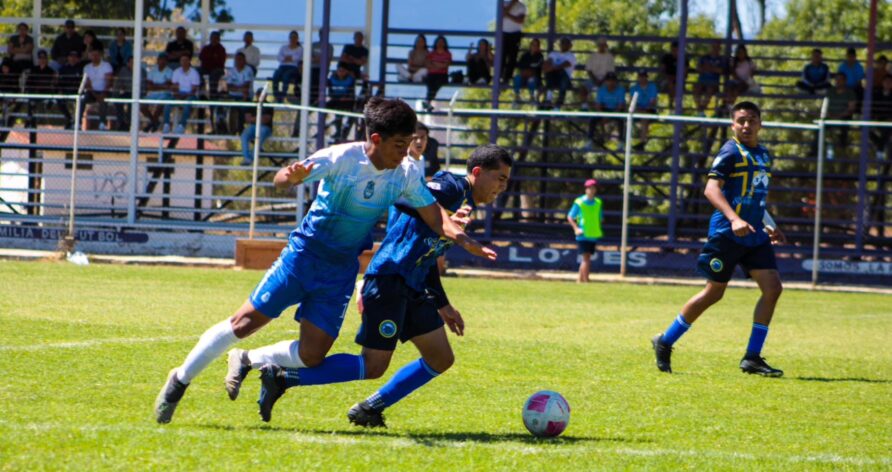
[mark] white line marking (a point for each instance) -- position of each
(95, 342)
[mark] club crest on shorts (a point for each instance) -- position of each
(369, 190)
(716, 264)
(387, 328)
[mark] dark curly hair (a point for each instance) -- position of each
(389, 117)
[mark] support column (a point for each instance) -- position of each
(324, 59)
(680, 72)
(385, 26)
(865, 132)
(37, 15)
(205, 20)
(138, 15)
(497, 72)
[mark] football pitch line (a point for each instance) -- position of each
(94, 342)
(378, 440)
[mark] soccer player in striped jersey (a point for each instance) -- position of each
(741, 232)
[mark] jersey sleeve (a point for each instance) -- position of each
(446, 191)
(723, 164)
(323, 164)
(574, 211)
(416, 194)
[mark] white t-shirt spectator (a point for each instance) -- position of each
(557, 58)
(160, 76)
(97, 75)
(600, 64)
(252, 55)
(509, 25)
(236, 78)
(290, 57)
(186, 80)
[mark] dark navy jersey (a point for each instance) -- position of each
(746, 172)
(410, 248)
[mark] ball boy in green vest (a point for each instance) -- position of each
(585, 218)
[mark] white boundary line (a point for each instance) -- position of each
(95, 342)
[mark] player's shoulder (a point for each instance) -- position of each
(444, 180)
(352, 152)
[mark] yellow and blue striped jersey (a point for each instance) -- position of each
(746, 172)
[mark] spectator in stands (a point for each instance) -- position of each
(647, 103)
(711, 67)
(123, 88)
(743, 72)
(854, 73)
(415, 69)
(9, 83)
(430, 158)
(99, 83)
(120, 50)
(599, 64)
(69, 80)
(91, 43)
(882, 111)
(585, 218)
(239, 83)
(558, 70)
(185, 83)
(290, 56)
(316, 62)
(66, 42)
(815, 74)
(21, 49)
(611, 97)
(252, 54)
(355, 56)
(841, 106)
(480, 63)
(158, 82)
(438, 61)
(42, 79)
(880, 71)
(668, 71)
(529, 73)
(514, 12)
(213, 63)
(179, 47)
(249, 135)
(418, 145)
(341, 96)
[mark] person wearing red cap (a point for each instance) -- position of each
(585, 218)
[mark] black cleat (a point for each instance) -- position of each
(272, 387)
(362, 414)
(756, 365)
(663, 353)
(169, 397)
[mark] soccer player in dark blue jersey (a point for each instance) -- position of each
(741, 232)
(402, 297)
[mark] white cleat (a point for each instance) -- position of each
(238, 369)
(169, 397)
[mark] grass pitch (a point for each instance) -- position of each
(84, 350)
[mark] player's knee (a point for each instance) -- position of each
(441, 363)
(309, 356)
(375, 369)
(713, 296)
(773, 290)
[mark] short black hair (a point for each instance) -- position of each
(41, 52)
(851, 52)
(489, 157)
(817, 50)
(749, 106)
(419, 126)
(389, 117)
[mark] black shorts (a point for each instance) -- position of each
(720, 255)
(391, 310)
(585, 247)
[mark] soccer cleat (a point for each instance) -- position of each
(169, 397)
(272, 387)
(236, 373)
(663, 353)
(362, 414)
(756, 365)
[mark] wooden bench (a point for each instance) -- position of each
(261, 253)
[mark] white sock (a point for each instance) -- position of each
(214, 342)
(283, 354)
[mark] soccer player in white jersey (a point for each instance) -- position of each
(358, 182)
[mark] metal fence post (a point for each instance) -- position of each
(819, 191)
(627, 178)
(449, 128)
(256, 164)
(77, 131)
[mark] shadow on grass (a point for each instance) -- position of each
(841, 379)
(433, 439)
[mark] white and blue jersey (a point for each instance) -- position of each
(318, 267)
(410, 248)
(746, 172)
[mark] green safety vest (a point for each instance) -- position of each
(589, 218)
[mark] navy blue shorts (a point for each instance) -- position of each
(391, 310)
(585, 247)
(720, 255)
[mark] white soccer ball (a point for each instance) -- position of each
(546, 414)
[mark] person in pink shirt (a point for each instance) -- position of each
(438, 61)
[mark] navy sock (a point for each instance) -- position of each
(678, 327)
(335, 368)
(408, 379)
(757, 339)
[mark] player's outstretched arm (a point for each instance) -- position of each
(292, 174)
(714, 194)
(437, 218)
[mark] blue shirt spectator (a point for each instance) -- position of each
(611, 100)
(852, 69)
(647, 93)
(120, 50)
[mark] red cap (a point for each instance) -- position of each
(591, 183)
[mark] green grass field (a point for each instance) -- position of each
(84, 350)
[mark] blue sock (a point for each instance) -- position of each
(757, 339)
(335, 368)
(405, 381)
(675, 330)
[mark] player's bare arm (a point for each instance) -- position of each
(292, 174)
(713, 193)
(437, 218)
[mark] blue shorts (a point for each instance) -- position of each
(391, 310)
(720, 255)
(323, 289)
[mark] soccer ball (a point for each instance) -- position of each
(546, 414)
